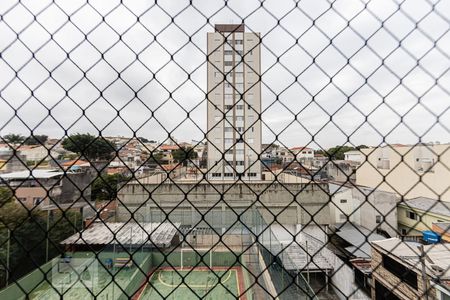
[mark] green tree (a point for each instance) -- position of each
(361, 147)
(337, 152)
(6, 196)
(25, 230)
(13, 138)
(183, 155)
(89, 146)
(105, 186)
(36, 139)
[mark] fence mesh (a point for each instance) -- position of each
(224, 149)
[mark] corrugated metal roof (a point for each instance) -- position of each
(119, 233)
(36, 174)
(428, 205)
(359, 237)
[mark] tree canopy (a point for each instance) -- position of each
(183, 155)
(36, 139)
(105, 186)
(89, 146)
(13, 138)
(337, 152)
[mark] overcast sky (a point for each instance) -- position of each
(347, 64)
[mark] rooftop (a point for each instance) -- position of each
(428, 205)
(32, 174)
(229, 28)
(438, 256)
(121, 233)
(359, 238)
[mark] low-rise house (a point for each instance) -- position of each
(48, 187)
(354, 155)
(340, 170)
(367, 207)
(419, 214)
(303, 153)
(36, 153)
(401, 270)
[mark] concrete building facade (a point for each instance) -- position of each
(234, 103)
(220, 204)
(409, 170)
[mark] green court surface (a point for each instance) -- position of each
(167, 283)
(87, 281)
(103, 287)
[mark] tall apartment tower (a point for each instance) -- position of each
(234, 103)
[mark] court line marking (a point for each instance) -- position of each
(194, 285)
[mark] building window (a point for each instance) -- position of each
(239, 107)
(238, 42)
(239, 118)
(240, 151)
(22, 199)
(228, 52)
(343, 200)
(228, 63)
(251, 174)
(342, 217)
(402, 272)
(239, 163)
(216, 174)
(404, 231)
(228, 107)
(228, 174)
(228, 141)
(383, 163)
(411, 215)
(378, 219)
(240, 129)
(228, 129)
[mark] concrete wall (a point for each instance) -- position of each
(363, 205)
(377, 203)
(193, 200)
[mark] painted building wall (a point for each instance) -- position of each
(402, 177)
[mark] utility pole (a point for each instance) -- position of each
(7, 256)
(424, 274)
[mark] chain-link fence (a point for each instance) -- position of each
(224, 149)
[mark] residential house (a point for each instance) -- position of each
(399, 273)
(303, 154)
(419, 214)
(374, 210)
(48, 187)
(354, 155)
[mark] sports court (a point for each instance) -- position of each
(84, 278)
(194, 283)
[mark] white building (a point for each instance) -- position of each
(234, 103)
(354, 155)
(303, 153)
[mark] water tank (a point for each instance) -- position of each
(431, 237)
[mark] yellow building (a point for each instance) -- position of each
(410, 171)
(419, 214)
